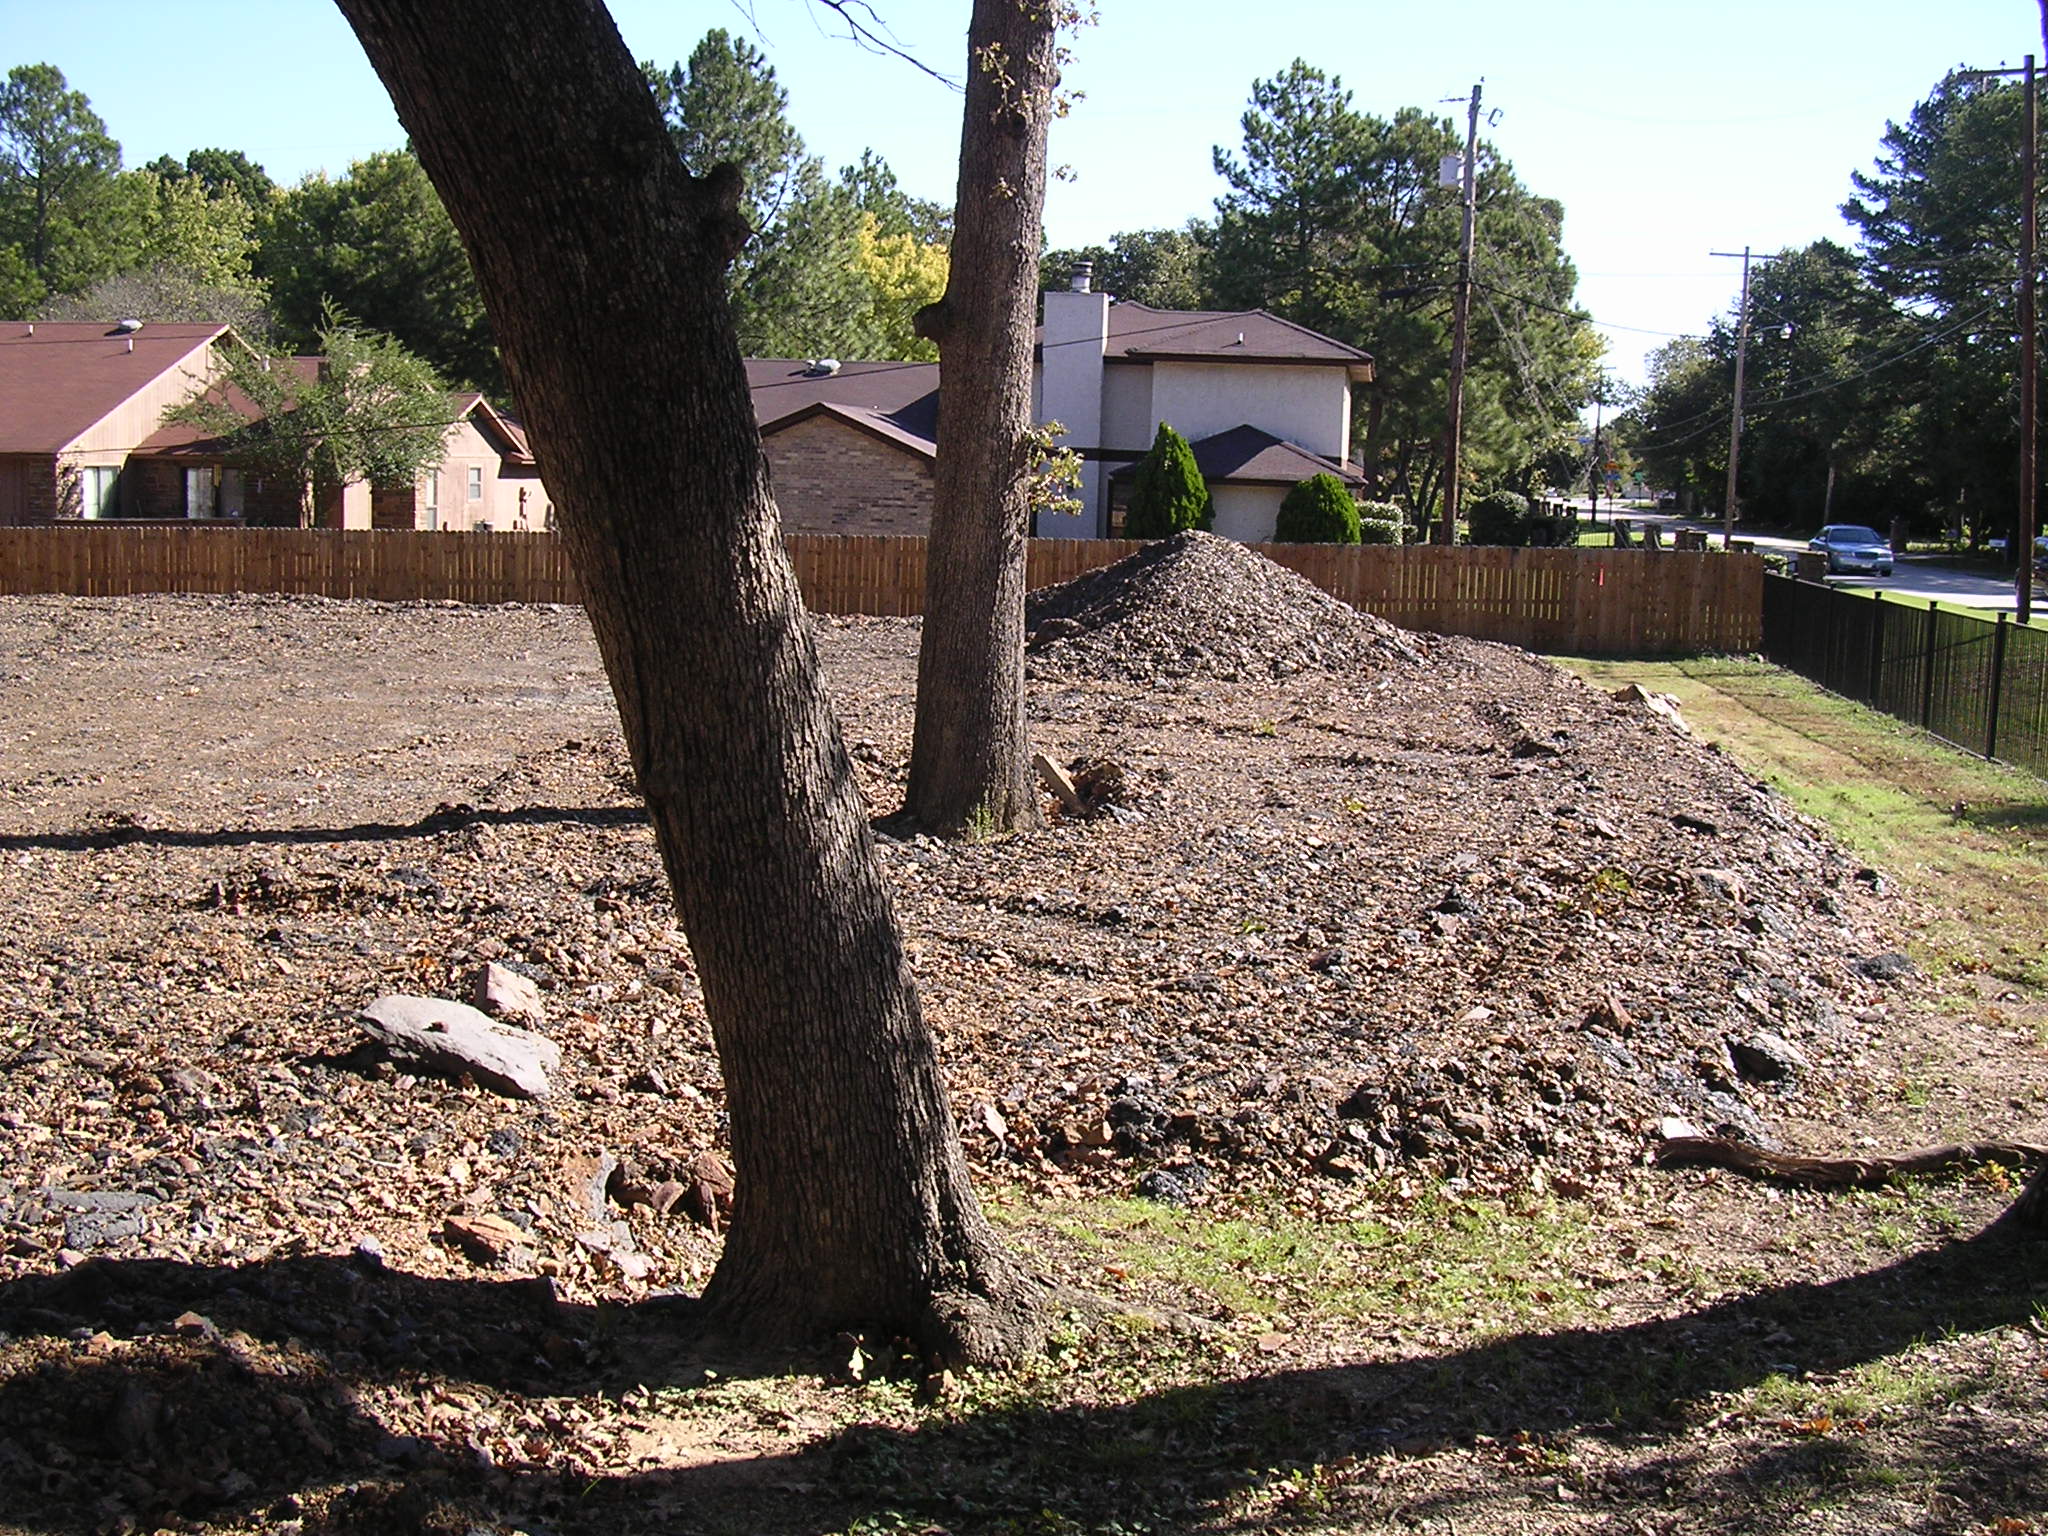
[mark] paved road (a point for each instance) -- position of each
(1926, 577)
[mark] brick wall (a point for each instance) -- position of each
(833, 478)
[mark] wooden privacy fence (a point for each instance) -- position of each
(1594, 602)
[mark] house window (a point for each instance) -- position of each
(432, 506)
(476, 483)
(199, 493)
(231, 502)
(101, 488)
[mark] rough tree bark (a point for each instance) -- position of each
(602, 263)
(969, 754)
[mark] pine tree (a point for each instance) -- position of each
(1168, 495)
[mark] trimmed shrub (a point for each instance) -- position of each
(1509, 517)
(1498, 517)
(1382, 522)
(1168, 495)
(1317, 511)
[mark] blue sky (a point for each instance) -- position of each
(1666, 130)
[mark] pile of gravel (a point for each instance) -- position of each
(1196, 605)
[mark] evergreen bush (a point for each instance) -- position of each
(1498, 517)
(1167, 492)
(1317, 511)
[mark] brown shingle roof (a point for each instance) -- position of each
(1252, 456)
(1140, 333)
(175, 438)
(57, 378)
(896, 401)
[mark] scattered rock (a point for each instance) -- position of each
(490, 1240)
(1766, 1057)
(708, 1197)
(505, 994)
(1721, 885)
(455, 1038)
(1663, 706)
(586, 1183)
(1890, 966)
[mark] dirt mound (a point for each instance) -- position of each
(1196, 605)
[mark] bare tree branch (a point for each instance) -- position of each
(865, 29)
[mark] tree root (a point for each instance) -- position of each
(2030, 1211)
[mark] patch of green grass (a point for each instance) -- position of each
(1969, 837)
(1438, 1260)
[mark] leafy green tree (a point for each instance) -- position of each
(1168, 494)
(1334, 219)
(901, 275)
(59, 198)
(1165, 268)
(373, 412)
(874, 188)
(182, 228)
(1317, 511)
(376, 244)
(1938, 220)
(219, 171)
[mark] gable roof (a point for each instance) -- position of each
(59, 378)
(189, 438)
(1139, 333)
(894, 401)
(1248, 455)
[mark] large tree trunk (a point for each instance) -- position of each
(969, 756)
(602, 263)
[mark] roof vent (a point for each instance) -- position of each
(127, 327)
(821, 367)
(1083, 280)
(1240, 338)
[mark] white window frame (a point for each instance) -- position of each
(476, 483)
(432, 505)
(99, 498)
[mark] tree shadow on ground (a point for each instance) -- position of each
(435, 823)
(2009, 815)
(268, 1406)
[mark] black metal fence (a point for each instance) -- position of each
(1981, 683)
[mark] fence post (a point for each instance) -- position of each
(1873, 685)
(1997, 685)
(1927, 673)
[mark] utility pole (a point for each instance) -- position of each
(2029, 407)
(1461, 312)
(1735, 417)
(1597, 461)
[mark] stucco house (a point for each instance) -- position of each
(1267, 404)
(82, 437)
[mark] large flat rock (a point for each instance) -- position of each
(455, 1038)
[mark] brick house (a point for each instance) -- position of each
(849, 445)
(82, 437)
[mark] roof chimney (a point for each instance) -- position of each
(1083, 280)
